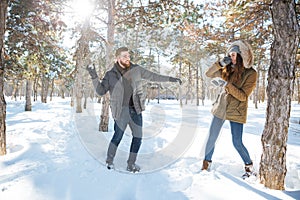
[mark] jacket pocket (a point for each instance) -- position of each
(242, 108)
(219, 106)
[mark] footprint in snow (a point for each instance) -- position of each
(15, 148)
(181, 184)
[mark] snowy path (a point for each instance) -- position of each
(49, 157)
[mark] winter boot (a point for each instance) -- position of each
(131, 166)
(206, 165)
(110, 165)
(249, 171)
(111, 152)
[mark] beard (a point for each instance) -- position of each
(125, 64)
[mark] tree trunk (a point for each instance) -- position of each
(61, 89)
(78, 98)
(86, 95)
(51, 89)
(3, 14)
(28, 95)
(84, 102)
(82, 59)
(256, 91)
(104, 117)
(62, 92)
(298, 84)
(15, 90)
(279, 91)
(188, 93)
(197, 83)
(263, 90)
(202, 85)
(72, 96)
(21, 90)
(35, 88)
(180, 76)
(45, 88)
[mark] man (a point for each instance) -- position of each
(127, 101)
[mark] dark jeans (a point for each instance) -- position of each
(236, 132)
(135, 122)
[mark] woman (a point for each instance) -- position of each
(231, 104)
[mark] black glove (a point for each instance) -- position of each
(172, 79)
(225, 61)
(92, 71)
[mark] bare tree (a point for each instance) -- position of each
(279, 91)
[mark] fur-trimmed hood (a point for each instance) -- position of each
(246, 52)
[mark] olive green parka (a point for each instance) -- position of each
(232, 102)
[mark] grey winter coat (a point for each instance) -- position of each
(112, 82)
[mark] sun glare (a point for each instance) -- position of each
(82, 8)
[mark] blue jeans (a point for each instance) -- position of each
(236, 132)
(135, 121)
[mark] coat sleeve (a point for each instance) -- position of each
(101, 87)
(214, 71)
(244, 92)
(151, 76)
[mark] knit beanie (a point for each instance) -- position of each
(235, 48)
(245, 50)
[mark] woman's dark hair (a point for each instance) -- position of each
(233, 73)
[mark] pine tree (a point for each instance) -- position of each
(3, 14)
(279, 91)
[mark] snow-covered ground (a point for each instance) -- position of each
(54, 153)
